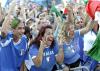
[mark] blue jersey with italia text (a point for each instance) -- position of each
(49, 59)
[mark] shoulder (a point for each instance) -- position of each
(24, 36)
(34, 46)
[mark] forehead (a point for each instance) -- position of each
(69, 26)
(49, 30)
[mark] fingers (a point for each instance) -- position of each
(43, 40)
(43, 43)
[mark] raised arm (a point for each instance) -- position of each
(70, 13)
(88, 27)
(23, 13)
(0, 12)
(6, 23)
(38, 59)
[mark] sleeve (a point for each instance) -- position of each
(25, 41)
(10, 35)
(33, 51)
(8, 40)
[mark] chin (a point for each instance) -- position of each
(71, 37)
(49, 43)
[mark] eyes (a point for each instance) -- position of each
(79, 22)
(49, 33)
(21, 27)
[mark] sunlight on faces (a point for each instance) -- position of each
(48, 36)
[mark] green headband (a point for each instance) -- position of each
(15, 22)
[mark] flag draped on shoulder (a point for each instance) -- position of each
(95, 51)
(92, 6)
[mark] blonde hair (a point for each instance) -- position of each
(62, 35)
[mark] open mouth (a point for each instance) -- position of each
(50, 39)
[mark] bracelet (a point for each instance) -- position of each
(62, 66)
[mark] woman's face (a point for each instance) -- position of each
(79, 24)
(48, 36)
(70, 31)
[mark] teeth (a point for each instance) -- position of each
(50, 39)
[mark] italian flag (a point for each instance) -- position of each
(93, 10)
(92, 6)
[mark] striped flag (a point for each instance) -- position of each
(92, 7)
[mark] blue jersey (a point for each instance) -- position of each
(49, 59)
(71, 50)
(21, 50)
(7, 59)
(0, 53)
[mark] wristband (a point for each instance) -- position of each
(62, 66)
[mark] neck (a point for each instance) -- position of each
(16, 38)
(68, 39)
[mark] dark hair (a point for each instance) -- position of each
(40, 35)
(98, 28)
(1, 22)
(28, 32)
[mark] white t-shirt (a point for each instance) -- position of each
(89, 39)
(29, 63)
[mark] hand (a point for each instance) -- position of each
(70, 7)
(66, 68)
(43, 43)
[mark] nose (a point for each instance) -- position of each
(51, 37)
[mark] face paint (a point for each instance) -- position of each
(15, 23)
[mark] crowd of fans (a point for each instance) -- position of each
(33, 38)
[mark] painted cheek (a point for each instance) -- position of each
(71, 33)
